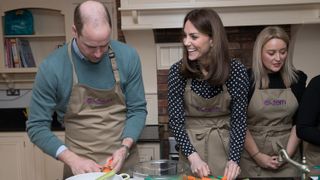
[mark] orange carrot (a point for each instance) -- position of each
(224, 178)
(205, 178)
(107, 166)
(191, 178)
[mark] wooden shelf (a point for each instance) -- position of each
(49, 34)
(36, 36)
(18, 70)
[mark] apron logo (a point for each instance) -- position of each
(275, 102)
(98, 101)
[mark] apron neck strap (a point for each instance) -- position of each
(112, 58)
(115, 68)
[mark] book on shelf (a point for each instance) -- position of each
(26, 54)
(15, 53)
(18, 53)
(8, 54)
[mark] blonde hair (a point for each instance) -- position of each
(259, 72)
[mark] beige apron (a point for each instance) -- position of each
(270, 114)
(312, 153)
(95, 119)
(207, 125)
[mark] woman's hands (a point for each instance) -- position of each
(266, 161)
(198, 166)
(232, 170)
(201, 168)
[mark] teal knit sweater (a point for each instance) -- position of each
(53, 84)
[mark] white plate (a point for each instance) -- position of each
(95, 175)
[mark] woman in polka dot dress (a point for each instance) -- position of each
(273, 101)
(207, 98)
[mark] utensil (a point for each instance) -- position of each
(95, 175)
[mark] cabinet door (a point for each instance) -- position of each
(149, 151)
(13, 157)
(48, 168)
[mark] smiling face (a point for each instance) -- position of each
(196, 43)
(274, 54)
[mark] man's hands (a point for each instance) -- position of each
(78, 165)
(118, 158)
(198, 166)
(120, 155)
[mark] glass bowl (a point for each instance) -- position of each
(159, 170)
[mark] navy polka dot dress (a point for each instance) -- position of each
(238, 87)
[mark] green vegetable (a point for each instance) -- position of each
(106, 175)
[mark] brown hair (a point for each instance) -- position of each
(78, 19)
(208, 22)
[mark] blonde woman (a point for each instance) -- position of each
(276, 90)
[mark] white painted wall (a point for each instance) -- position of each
(306, 54)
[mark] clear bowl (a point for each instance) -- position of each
(159, 170)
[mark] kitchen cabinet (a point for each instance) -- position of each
(47, 167)
(14, 157)
(148, 151)
(22, 160)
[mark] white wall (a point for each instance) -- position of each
(306, 56)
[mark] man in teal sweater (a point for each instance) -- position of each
(95, 86)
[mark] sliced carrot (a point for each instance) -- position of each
(224, 178)
(105, 169)
(107, 166)
(189, 178)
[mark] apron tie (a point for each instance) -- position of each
(204, 135)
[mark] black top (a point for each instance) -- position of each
(276, 82)
(309, 113)
(237, 86)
